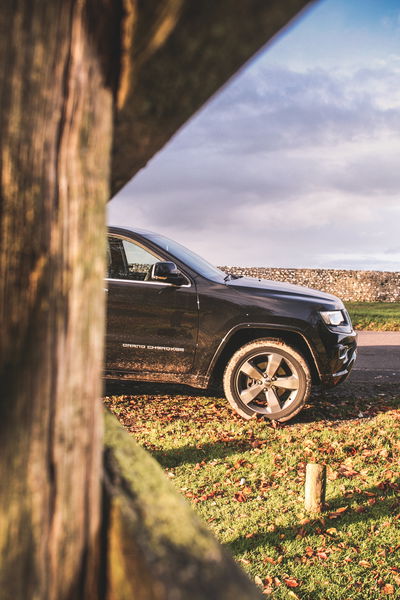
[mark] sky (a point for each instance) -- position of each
(295, 162)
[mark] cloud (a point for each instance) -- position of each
(278, 168)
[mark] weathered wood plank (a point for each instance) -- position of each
(56, 127)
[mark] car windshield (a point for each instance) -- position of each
(189, 258)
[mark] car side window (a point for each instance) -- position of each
(128, 260)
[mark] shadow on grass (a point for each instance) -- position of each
(356, 398)
(193, 455)
(387, 503)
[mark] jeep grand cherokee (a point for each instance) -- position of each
(173, 317)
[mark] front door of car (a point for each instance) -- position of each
(151, 325)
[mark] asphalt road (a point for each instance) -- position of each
(378, 357)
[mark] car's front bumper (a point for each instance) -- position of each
(342, 358)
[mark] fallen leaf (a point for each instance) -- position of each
(347, 471)
(267, 591)
(291, 582)
(338, 512)
(240, 497)
(301, 533)
(364, 563)
(388, 589)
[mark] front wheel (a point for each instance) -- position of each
(267, 377)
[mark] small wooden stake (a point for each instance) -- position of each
(315, 487)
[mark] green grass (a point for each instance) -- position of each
(246, 480)
(375, 316)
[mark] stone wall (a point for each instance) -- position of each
(351, 286)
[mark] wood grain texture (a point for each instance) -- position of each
(315, 486)
(55, 120)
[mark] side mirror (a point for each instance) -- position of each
(167, 271)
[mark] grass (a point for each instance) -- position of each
(375, 316)
(246, 480)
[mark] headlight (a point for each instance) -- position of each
(333, 317)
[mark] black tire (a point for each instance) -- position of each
(280, 373)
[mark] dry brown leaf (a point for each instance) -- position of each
(240, 497)
(338, 512)
(364, 563)
(291, 582)
(388, 589)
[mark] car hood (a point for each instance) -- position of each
(279, 288)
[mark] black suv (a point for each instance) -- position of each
(173, 317)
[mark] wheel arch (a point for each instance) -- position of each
(248, 333)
